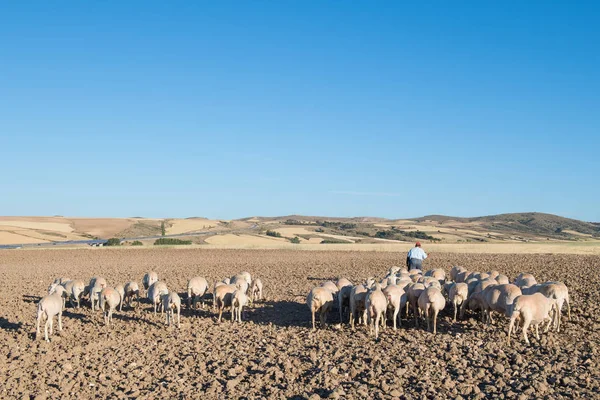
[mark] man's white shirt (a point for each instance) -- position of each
(418, 253)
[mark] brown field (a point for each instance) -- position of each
(275, 354)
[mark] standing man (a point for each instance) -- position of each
(415, 257)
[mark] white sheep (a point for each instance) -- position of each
(48, 307)
(413, 294)
(155, 293)
(358, 297)
(241, 281)
(332, 287)
(94, 288)
(121, 290)
(75, 290)
(531, 309)
(149, 279)
(109, 300)
(196, 288)
(239, 299)
(376, 305)
(223, 297)
(525, 280)
(132, 289)
(457, 295)
(369, 282)
(454, 271)
(499, 298)
(502, 279)
(438, 273)
(256, 291)
(396, 300)
(320, 300)
(556, 291)
(170, 303)
(431, 302)
(247, 276)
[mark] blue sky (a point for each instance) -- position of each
(233, 109)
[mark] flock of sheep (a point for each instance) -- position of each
(524, 301)
(236, 293)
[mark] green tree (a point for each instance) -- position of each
(113, 242)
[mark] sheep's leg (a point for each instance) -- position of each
(352, 319)
(490, 319)
(510, 328)
(37, 325)
(232, 313)
(323, 318)
(416, 315)
(364, 317)
(559, 317)
(48, 322)
(463, 306)
(568, 309)
(377, 318)
(220, 313)
(313, 319)
(455, 307)
(427, 317)
(396, 310)
(60, 321)
(435, 313)
(526, 323)
(154, 306)
(51, 319)
(178, 317)
(537, 331)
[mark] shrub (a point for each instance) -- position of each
(113, 242)
(163, 230)
(171, 241)
(333, 241)
(273, 234)
(137, 243)
(319, 230)
(295, 240)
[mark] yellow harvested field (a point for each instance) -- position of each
(11, 238)
(47, 226)
(102, 227)
(294, 231)
(179, 226)
(244, 240)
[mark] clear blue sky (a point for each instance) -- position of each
(232, 109)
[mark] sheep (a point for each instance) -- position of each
(493, 274)
(462, 276)
(121, 290)
(502, 279)
(454, 271)
(214, 291)
(132, 289)
(238, 300)
(240, 281)
(256, 291)
(170, 303)
(431, 302)
(60, 281)
(429, 281)
(332, 287)
(396, 300)
(413, 294)
(369, 282)
(415, 274)
(196, 288)
(247, 276)
(531, 309)
(223, 296)
(438, 274)
(155, 292)
(403, 283)
(457, 295)
(393, 270)
(499, 298)
(52, 289)
(149, 279)
(525, 280)
(109, 300)
(556, 291)
(75, 290)
(320, 299)
(48, 307)
(94, 288)
(358, 296)
(345, 289)
(376, 304)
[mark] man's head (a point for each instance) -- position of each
(418, 244)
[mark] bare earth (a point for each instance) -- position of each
(275, 354)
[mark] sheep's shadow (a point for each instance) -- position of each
(134, 318)
(314, 278)
(75, 315)
(10, 326)
(31, 299)
(279, 313)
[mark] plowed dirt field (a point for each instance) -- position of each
(274, 353)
